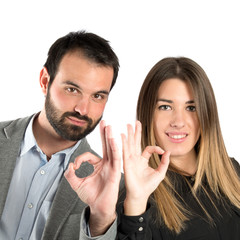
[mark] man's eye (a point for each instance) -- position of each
(71, 90)
(164, 107)
(98, 96)
(191, 108)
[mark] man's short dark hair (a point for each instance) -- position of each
(92, 46)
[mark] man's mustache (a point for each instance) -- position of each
(78, 116)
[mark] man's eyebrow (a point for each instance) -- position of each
(72, 83)
(105, 92)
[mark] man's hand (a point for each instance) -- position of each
(99, 190)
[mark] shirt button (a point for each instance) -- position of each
(42, 172)
(140, 229)
(30, 205)
(140, 219)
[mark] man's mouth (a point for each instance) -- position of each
(77, 121)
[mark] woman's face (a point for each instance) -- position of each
(176, 124)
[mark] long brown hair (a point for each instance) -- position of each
(214, 164)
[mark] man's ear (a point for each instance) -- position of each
(44, 80)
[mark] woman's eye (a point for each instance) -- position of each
(164, 107)
(191, 108)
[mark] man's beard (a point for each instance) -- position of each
(66, 130)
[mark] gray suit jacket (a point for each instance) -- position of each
(64, 219)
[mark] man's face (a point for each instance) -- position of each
(76, 99)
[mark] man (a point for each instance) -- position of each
(36, 201)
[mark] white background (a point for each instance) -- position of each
(141, 33)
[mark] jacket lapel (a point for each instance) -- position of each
(66, 199)
(10, 141)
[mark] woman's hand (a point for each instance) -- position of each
(140, 179)
(100, 189)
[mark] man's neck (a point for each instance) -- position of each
(47, 139)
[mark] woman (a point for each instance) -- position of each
(183, 185)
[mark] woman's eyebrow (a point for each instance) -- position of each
(190, 102)
(164, 100)
(170, 101)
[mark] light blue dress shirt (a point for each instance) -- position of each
(33, 186)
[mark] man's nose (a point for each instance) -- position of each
(82, 106)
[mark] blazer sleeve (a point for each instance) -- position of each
(109, 235)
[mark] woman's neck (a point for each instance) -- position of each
(187, 163)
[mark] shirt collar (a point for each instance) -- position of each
(68, 152)
(29, 142)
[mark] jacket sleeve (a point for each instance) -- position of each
(109, 235)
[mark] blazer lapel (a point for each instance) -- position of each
(66, 199)
(10, 142)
